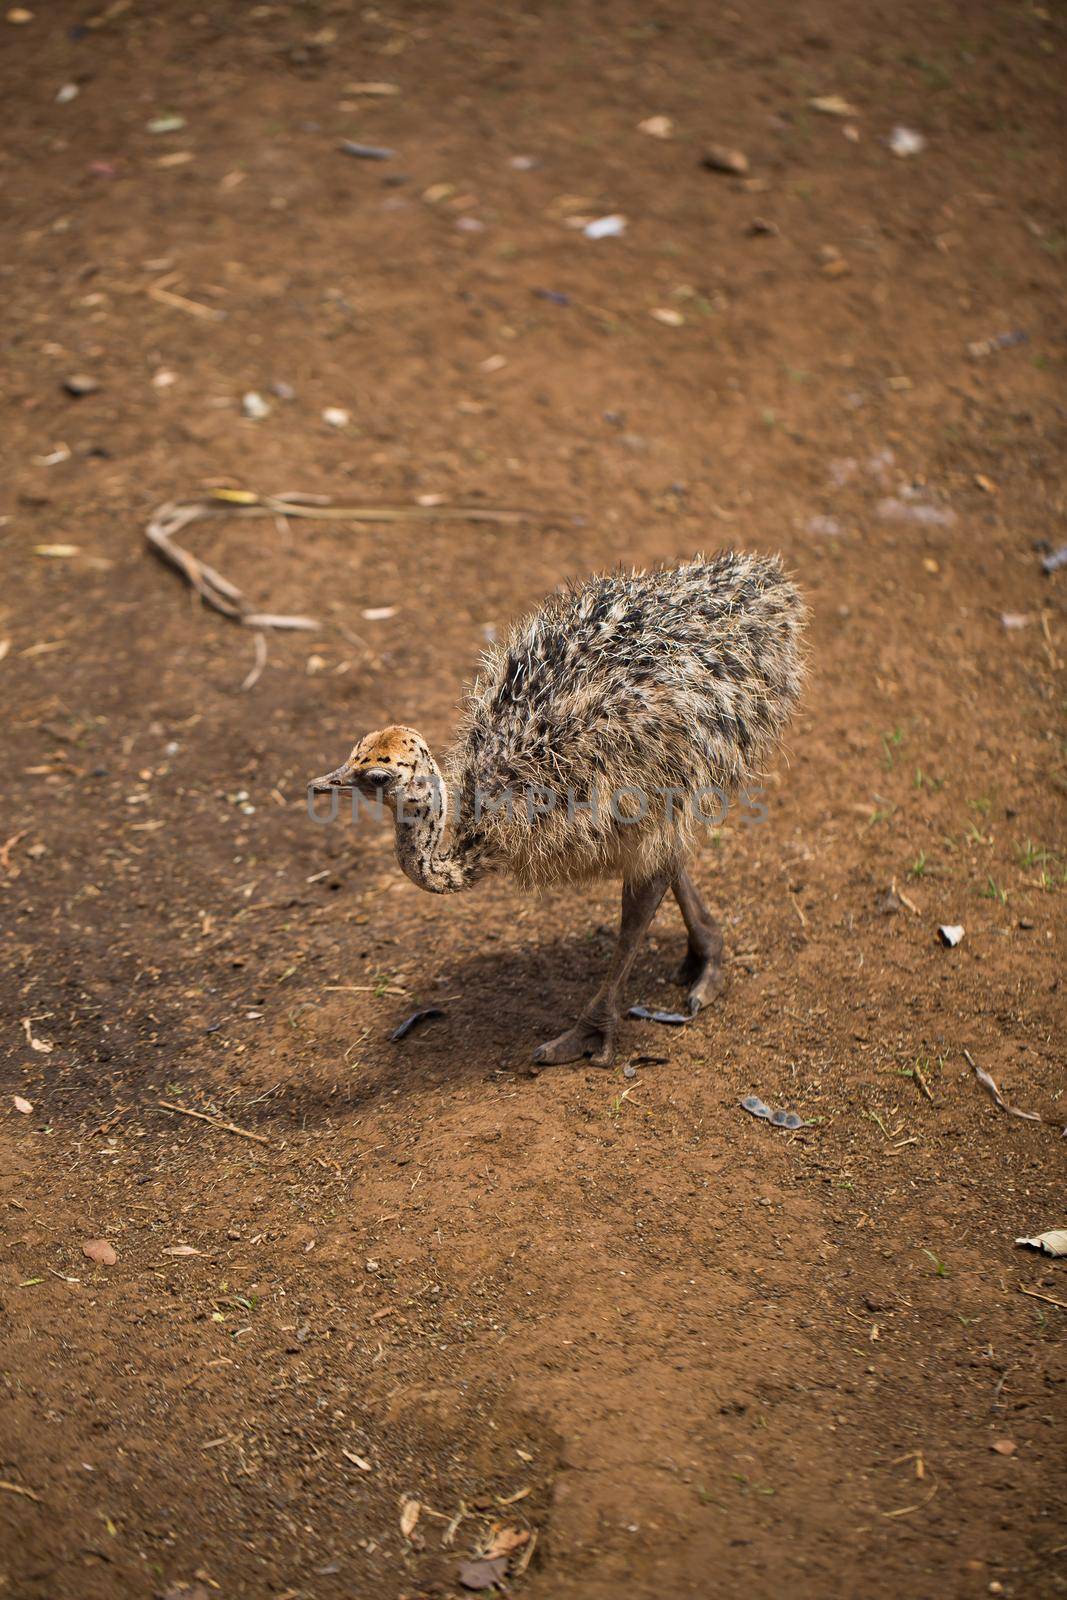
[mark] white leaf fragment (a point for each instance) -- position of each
(1052, 1243)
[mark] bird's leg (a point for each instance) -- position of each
(701, 970)
(594, 1032)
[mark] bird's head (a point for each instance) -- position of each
(394, 763)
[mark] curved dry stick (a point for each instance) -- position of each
(223, 596)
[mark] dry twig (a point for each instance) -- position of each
(216, 1122)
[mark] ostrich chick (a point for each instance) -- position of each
(588, 748)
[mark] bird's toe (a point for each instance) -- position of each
(584, 1039)
(707, 986)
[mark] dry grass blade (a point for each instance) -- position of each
(218, 592)
(1035, 1294)
(18, 1488)
(990, 1087)
(259, 662)
(216, 1122)
(215, 590)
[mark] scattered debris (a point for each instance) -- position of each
(357, 1461)
(483, 1574)
(1055, 560)
(80, 384)
(54, 457)
(336, 417)
(24, 1107)
(778, 1119)
(166, 124)
(5, 1484)
(376, 90)
(1004, 1447)
(379, 613)
(980, 348)
(44, 1047)
(553, 296)
(611, 227)
(216, 1122)
(1035, 1294)
(56, 552)
(259, 661)
(215, 590)
(990, 1087)
(1053, 1243)
(950, 934)
(505, 1541)
(674, 1019)
(669, 317)
(254, 407)
(1012, 620)
(657, 127)
(366, 152)
(414, 1020)
(168, 297)
(410, 1511)
(720, 158)
(182, 1250)
(100, 1251)
(833, 105)
(906, 142)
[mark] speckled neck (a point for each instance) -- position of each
(421, 851)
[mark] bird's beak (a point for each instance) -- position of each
(340, 779)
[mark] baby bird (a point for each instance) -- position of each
(599, 738)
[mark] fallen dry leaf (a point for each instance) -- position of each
(482, 1574)
(181, 1250)
(409, 1516)
(505, 1541)
(357, 1461)
(833, 105)
(1052, 1243)
(99, 1250)
(25, 1106)
(44, 1046)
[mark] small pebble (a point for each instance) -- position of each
(720, 158)
(66, 94)
(254, 407)
(80, 384)
(335, 417)
(906, 142)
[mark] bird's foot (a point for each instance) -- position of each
(703, 977)
(593, 1039)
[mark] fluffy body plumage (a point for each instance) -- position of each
(674, 680)
(586, 746)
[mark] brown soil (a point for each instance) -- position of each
(693, 1354)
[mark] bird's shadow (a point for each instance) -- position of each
(498, 1006)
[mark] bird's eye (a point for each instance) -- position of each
(377, 777)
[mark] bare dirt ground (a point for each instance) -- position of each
(689, 1353)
